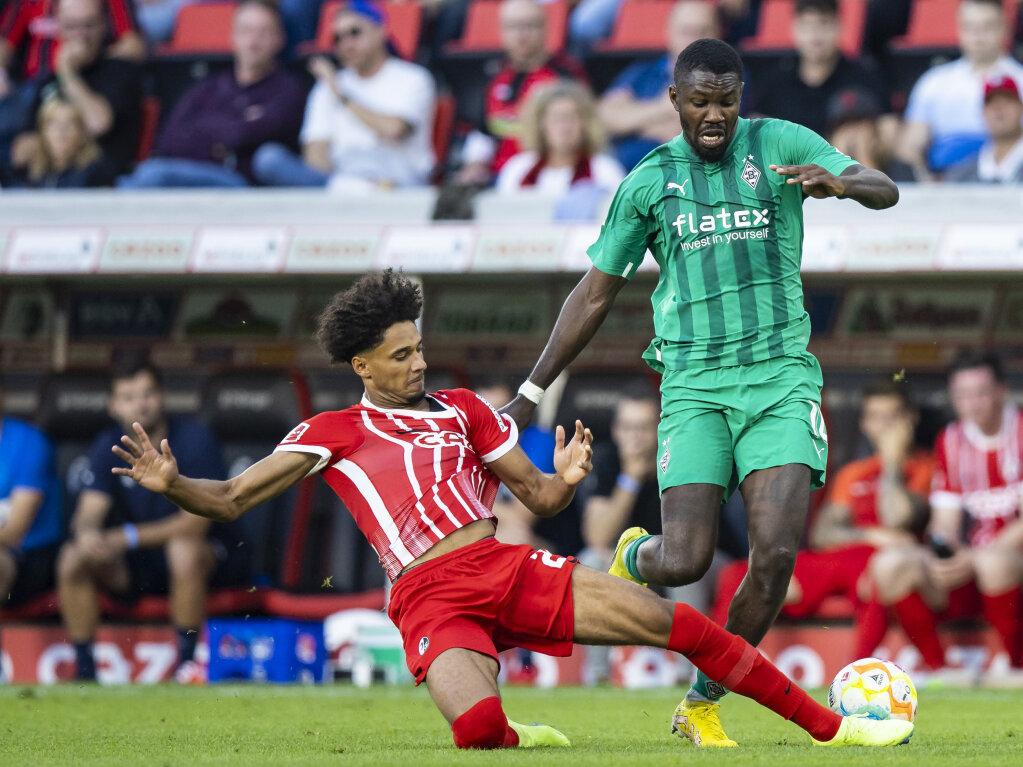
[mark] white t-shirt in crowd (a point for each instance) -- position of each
(398, 89)
(949, 98)
(605, 172)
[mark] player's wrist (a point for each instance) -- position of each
(531, 391)
(628, 483)
(131, 536)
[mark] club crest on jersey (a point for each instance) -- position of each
(424, 645)
(665, 457)
(750, 173)
(434, 439)
(296, 434)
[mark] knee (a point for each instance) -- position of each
(771, 567)
(484, 726)
(267, 160)
(999, 569)
(186, 558)
(71, 564)
(895, 573)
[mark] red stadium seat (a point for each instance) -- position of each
(147, 131)
(482, 33)
(774, 31)
(932, 25)
(404, 23)
(640, 26)
(204, 28)
(443, 124)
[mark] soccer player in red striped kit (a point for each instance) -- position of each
(419, 473)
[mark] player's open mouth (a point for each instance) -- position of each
(712, 138)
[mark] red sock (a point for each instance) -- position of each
(871, 624)
(1002, 611)
(921, 627)
(738, 666)
(484, 726)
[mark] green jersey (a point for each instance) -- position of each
(728, 239)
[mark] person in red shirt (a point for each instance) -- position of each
(872, 504)
(28, 30)
(419, 473)
(973, 564)
(527, 65)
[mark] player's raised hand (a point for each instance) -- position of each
(154, 469)
(574, 460)
(815, 180)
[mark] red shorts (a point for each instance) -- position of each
(486, 597)
(963, 602)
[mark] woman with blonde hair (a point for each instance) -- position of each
(66, 155)
(564, 143)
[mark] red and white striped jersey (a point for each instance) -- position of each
(980, 474)
(409, 477)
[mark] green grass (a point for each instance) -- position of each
(341, 725)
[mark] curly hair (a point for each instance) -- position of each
(356, 319)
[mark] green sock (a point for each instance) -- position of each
(631, 552)
(705, 689)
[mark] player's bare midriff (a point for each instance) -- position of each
(463, 536)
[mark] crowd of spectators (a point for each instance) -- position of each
(74, 73)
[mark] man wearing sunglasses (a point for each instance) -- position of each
(366, 126)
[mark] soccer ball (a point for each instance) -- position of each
(878, 687)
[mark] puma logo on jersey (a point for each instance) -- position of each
(682, 188)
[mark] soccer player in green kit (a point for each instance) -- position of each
(720, 209)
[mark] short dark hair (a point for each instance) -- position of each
(826, 7)
(970, 359)
(131, 367)
(708, 55)
(356, 319)
(886, 387)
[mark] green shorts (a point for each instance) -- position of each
(720, 424)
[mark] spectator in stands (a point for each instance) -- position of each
(635, 108)
(106, 91)
(974, 563)
(66, 156)
(798, 90)
(30, 524)
(367, 126)
(215, 129)
(854, 116)
(527, 65)
(873, 504)
(944, 121)
(128, 542)
(563, 142)
(1001, 158)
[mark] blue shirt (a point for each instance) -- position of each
(195, 449)
(28, 460)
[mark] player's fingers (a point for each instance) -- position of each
(785, 170)
(120, 470)
(559, 437)
(143, 437)
(589, 437)
(124, 455)
(579, 431)
(165, 449)
(132, 446)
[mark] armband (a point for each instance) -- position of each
(531, 391)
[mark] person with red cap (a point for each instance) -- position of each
(1001, 158)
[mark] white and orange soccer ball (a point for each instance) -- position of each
(878, 687)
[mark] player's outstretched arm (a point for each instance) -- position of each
(870, 188)
(547, 494)
(219, 500)
(582, 313)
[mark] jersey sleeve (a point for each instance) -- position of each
(34, 469)
(801, 146)
(322, 435)
(624, 236)
(919, 475)
(491, 434)
(945, 490)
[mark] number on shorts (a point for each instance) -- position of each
(820, 431)
(551, 560)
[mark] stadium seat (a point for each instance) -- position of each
(250, 411)
(201, 29)
(147, 131)
(932, 25)
(482, 31)
(404, 22)
(639, 26)
(774, 31)
(443, 125)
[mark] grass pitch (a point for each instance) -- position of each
(342, 725)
